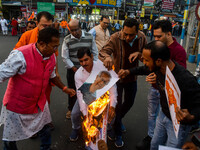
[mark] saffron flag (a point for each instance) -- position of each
(31, 17)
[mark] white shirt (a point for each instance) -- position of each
(65, 52)
(16, 64)
(145, 26)
(3, 23)
(81, 76)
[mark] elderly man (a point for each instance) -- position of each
(71, 43)
(125, 46)
(100, 32)
(25, 109)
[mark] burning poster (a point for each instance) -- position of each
(96, 95)
(173, 95)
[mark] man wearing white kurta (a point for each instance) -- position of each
(25, 109)
(87, 65)
(4, 27)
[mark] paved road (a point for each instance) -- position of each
(135, 121)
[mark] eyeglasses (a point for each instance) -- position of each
(74, 30)
(106, 23)
(131, 35)
(54, 47)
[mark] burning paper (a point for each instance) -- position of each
(96, 95)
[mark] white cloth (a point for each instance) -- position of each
(145, 26)
(20, 126)
(4, 24)
(19, 22)
(23, 126)
(81, 76)
(65, 52)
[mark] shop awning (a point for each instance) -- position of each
(11, 3)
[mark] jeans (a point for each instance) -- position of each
(63, 31)
(164, 133)
(76, 116)
(45, 136)
(71, 84)
(153, 109)
(130, 90)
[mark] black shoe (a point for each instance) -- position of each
(144, 144)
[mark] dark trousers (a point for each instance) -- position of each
(71, 84)
(45, 136)
(122, 108)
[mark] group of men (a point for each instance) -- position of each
(32, 69)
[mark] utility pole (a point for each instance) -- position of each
(184, 21)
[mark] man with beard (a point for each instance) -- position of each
(162, 32)
(156, 56)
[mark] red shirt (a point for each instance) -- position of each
(177, 53)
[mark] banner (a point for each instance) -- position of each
(0, 4)
(43, 6)
(109, 3)
(148, 3)
(168, 4)
(173, 95)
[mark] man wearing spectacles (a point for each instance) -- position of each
(44, 20)
(101, 33)
(25, 108)
(76, 39)
(121, 51)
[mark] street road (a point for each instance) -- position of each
(135, 121)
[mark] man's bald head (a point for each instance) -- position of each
(158, 50)
(75, 28)
(74, 22)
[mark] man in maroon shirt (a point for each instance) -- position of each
(162, 32)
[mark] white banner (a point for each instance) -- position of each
(173, 95)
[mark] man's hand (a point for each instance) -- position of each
(58, 76)
(74, 69)
(189, 146)
(108, 62)
(102, 145)
(111, 114)
(151, 78)
(69, 91)
(184, 116)
(132, 57)
(123, 73)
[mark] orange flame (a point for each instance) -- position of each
(94, 120)
(113, 67)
